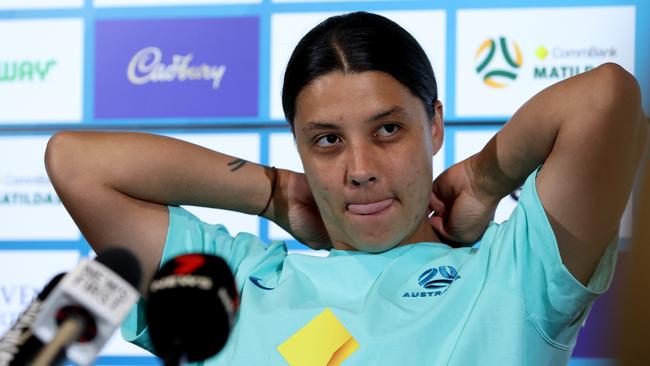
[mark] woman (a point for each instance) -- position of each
(398, 286)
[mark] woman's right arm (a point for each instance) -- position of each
(116, 186)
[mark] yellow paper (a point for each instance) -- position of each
(343, 352)
(324, 341)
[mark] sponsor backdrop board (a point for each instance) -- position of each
(24, 273)
(165, 68)
(427, 26)
(41, 77)
(29, 207)
(503, 56)
(210, 72)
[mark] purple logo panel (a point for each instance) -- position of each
(177, 68)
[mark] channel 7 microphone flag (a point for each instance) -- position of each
(191, 308)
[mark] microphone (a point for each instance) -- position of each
(191, 308)
(85, 309)
(18, 345)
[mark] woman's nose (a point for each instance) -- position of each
(361, 168)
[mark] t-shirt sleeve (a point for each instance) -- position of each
(524, 256)
(188, 234)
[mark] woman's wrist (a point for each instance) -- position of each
(277, 183)
(272, 175)
(489, 181)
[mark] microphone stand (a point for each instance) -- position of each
(175, 357)
(53, 353)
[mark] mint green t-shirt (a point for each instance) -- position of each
(509, 299)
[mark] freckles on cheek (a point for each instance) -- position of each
(411, 183)
(326, 195)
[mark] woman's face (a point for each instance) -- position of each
(366, 145)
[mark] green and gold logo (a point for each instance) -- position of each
(501, 75)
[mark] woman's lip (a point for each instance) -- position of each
(369, 208)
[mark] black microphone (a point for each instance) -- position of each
(18, 345)
(191, 308)
(82, 312)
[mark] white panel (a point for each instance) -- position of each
(244, 146)
(548, 53)
(23, 274)
(427, 26)
(283, 152)
(278, 233)
(126, 3)
(39, 4)
(29, 207)
(41, 70)
(468, 143)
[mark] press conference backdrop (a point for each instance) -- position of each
(210, 72)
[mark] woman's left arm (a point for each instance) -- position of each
(589, 132)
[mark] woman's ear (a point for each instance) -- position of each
(437, 127)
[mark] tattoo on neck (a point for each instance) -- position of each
(236, 164)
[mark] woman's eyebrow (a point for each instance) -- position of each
(331, 126)
(386, 113)
(320, 126)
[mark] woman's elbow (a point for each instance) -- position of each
(61, 155)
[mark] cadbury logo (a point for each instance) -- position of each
(146, 66)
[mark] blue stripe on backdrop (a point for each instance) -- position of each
(264, 159)
(89, 61)
(32, 245)
(42, 13)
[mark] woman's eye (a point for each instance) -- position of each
(327, 140)
(388, 129)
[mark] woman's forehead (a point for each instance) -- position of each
(337, 97)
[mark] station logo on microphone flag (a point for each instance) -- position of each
(188, 264)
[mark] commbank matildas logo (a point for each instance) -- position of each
(497, 73)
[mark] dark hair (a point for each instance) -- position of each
(354, 43)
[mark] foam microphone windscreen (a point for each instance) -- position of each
(191, 307)
(123, 263)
